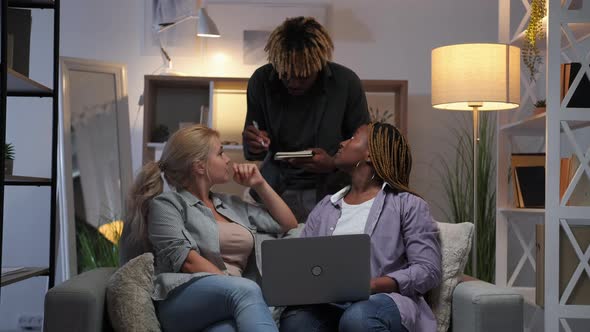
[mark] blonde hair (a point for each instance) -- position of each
(390, 155)
(183, 148)
(299, 47)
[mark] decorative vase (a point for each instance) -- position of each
(539, 110)
(8, 163)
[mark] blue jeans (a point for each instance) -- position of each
(378, 313)
(216, 303)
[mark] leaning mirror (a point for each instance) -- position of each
(95, 171)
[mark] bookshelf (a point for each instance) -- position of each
(24, 274)
(562, 131)
(13, 84)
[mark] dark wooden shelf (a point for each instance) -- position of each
(26, 273)
(22, 86)
(14, 180)
(43, 4)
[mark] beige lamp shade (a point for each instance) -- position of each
(482, 75)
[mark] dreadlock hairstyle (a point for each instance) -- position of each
(299, 47)
(390, 155)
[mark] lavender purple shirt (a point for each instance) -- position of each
(404, 246)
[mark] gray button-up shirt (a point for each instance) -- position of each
(404, 246)
(179, 222)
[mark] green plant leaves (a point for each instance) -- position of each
(456, 175)
(531, 56)
(8, 151)
(93, 249)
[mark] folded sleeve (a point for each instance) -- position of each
(261, 219)
(170, 240)
(420, 236)
(314, 219)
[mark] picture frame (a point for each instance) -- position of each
(387, 101)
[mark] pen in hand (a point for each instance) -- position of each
(255, 124)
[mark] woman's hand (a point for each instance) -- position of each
(248, 175)
(384, 285)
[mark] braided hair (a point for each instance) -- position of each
(299, 47)
(390, 155)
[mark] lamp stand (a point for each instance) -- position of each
(475, 143)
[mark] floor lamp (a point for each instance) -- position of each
(476, 77)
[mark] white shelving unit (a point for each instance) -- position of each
(564, 131)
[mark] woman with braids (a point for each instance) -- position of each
(301, 100)
(202, 241)
(405, 252)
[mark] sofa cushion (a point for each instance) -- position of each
(455, 241)
(129, 301)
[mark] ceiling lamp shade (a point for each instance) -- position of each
(486, 76)
(205, 25)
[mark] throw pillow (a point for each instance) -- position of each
(129, 296)
(455, 241)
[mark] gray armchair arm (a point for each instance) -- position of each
(78, 304)
(480, 306)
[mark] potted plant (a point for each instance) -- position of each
(8, 158)
(531, 56)
(540, 107)
(456, 174)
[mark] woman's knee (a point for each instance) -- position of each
(298, 320)
(355, 317)
(223, 326)
(243, 288)
(379, 313)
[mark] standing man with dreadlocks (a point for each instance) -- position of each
(301, 100)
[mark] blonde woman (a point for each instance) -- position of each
(201, 240)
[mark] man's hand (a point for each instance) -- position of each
(321, 162)
(257, 141)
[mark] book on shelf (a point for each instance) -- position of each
(294, 154)
(531, 186)
(581, 192)
(531, 167)
(581, 95)
(568, 263)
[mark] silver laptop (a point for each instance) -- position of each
(316, 270)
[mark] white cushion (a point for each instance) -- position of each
(455, 240)
(129, 301)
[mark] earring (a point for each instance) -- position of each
(357, 164)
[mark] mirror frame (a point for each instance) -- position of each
(67, 224)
